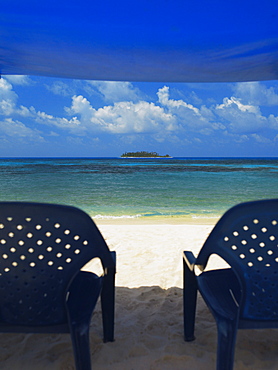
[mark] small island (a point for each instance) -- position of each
(143, 154)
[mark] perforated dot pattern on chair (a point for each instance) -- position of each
(38, 257)
(254, 242)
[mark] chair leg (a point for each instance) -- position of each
(108, 305)
(81, 346)
(227, 332)
(83, 294)
(190, 288)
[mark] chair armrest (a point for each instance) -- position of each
(111, 269)
(109, 264)
(190, 259)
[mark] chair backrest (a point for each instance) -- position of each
(42, 248)
(247, 238)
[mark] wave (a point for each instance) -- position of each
(110, 217)
(157, 215)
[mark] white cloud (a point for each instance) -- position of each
(6, 107)
(127, 117)
(242, 139)
(260, 139)
(60, 88)
(163, 97)
(142, 117)
(241, 118)
(236, 103)
(256, 93)
(132, 117)
(194, 98)
(73, 124)
(122, 117)
(189, 117)
(16, 129)
(24, 111)
(273, 122)
(167, 120)
(8, 100)
(81, 106)
(19, 79)
(114, 91)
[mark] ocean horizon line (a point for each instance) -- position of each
(119, 157)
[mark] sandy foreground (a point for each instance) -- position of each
(148, 321)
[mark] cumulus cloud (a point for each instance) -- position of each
(80, 105)
(123, 117)
(236, 103)
(60, 88)
(116, 91)
(16, 129)
(195, 98)
(233, 116)
(273, 122)
(19, 79)
(256, 93)
(239, 117)
(261, 139)
(163, 98)
(201, 119)
(8, 100)
(142, 117)
(73, 125)
(130, 116)
(167, 118)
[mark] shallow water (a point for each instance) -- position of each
(109, 188)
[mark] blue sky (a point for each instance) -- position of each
(51, 117)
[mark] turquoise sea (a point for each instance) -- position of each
(111, 188)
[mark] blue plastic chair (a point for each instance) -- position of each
(42, 288)
(245, 295)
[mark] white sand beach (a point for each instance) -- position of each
(149, 321)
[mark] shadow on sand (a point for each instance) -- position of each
(149, 335)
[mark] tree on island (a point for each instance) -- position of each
(144, 154)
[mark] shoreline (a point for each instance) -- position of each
(157, 221)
